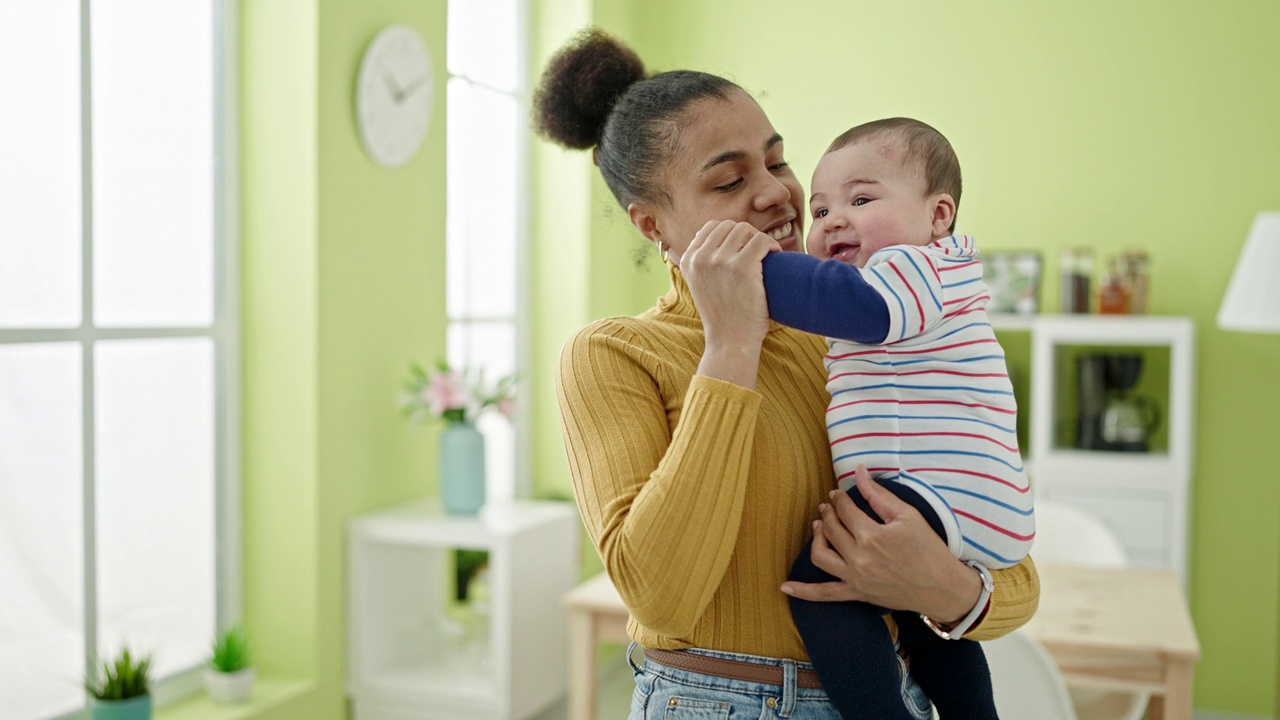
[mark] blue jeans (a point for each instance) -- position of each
(672, 694)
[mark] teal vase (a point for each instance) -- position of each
(462, 469)
(138, 708)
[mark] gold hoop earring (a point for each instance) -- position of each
(662, 252)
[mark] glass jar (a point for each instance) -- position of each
(1113, 296)
(1077, 277)
(1135, 267)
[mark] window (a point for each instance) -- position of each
(487, 209)
(117, 345)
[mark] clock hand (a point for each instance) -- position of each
(396, 93)
(413, 87)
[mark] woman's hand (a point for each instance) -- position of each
(722, 267)
(901, 564)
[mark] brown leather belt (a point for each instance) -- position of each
(731, 669)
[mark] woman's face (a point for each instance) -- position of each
(728, 165)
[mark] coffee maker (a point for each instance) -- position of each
(1111, 415)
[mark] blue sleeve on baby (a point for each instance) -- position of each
(824, 297)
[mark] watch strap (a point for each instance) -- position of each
(957, 631)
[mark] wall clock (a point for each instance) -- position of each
(395, 91)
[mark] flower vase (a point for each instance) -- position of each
(462, 476)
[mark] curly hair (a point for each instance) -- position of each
(595, 92)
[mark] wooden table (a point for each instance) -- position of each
(596, 614)
(1125, 629)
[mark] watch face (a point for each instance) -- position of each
(394, 95)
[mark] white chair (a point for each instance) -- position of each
(1026, 681)
(1066, 535)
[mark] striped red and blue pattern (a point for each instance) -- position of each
(932, 406)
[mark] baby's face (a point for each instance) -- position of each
(864, 199)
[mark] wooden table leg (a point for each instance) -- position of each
(1177, 699)
(582, 667)
(1155, 708)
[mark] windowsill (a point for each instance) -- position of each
(267, 694)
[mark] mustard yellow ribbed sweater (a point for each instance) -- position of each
(699, 493)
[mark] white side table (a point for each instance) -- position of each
(407, 658)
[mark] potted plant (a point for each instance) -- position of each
(467, 563)
(229, 678)
(457, 398)
(121, 690)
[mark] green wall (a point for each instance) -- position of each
(343, 267)
(279, 272)
(1138, 123)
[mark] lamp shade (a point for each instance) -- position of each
(1252, 302)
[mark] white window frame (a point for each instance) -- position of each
(522, 320)
(224, 332)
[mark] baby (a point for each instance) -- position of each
(920, 395)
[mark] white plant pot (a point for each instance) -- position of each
(229, 687)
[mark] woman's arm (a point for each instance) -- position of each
(903, 564)
(722, 267)
(663, 508)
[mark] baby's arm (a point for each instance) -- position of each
(824, 297)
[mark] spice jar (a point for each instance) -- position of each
(1077, 274)
(1134, 266)
(1113, 298)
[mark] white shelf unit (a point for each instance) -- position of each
(1142, 497)
(406, 660)
(1012, 321)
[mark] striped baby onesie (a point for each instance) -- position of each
(919, 389)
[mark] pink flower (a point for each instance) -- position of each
(445, 392)
(507, 407)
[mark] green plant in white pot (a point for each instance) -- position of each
(229, 677)
(121, 691)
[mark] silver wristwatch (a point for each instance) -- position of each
(958, 630)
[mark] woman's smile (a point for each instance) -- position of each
(785, 234)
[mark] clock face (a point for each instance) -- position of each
(394, 95)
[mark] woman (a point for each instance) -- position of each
(695, 430)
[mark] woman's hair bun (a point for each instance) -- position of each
(581, 84)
